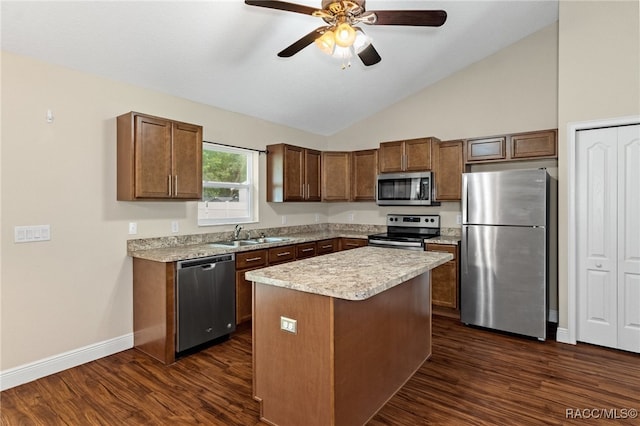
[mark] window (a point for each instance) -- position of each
(228, 185)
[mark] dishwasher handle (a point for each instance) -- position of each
(205, 262)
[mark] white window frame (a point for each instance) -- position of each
(251, 186)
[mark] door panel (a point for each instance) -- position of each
(629, 238)
(503, 279)
(520, 194)
(608, 225)
(597, 282)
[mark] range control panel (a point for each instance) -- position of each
(414, 221)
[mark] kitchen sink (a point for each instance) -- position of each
(234, 243)
(269, 239)
(248, 242)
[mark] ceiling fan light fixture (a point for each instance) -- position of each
(345, 35)
(326, 42)
(361, 42)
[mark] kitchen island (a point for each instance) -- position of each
(336, 336)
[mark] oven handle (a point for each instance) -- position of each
(395, 244)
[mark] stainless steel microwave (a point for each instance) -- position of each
(404, 189)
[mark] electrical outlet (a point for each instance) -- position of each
(317, 218)
(350, 217)
(284, 220)
(133, 228)
(289, 325)
(459, 219)
(174, 226)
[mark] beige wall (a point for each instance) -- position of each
(75, 290)
(599, 78)
(513, 90)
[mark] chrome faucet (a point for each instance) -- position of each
(236, 232)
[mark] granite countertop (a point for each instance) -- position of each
(444, 239)
(193, 251)
(355, 274)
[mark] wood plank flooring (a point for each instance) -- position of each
(475, 377)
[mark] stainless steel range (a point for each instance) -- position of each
(407, 232)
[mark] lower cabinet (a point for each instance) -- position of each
(445, 282)
(304, 250)
(327, 246)
(351, 243)
(246, 261)
(256, 259)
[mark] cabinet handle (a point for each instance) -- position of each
(170, 188)
(308, 191)
(175, 186)
(307, 249)
(327, 246)
(253, 259)
(285, 253)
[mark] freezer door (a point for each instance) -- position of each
(503, 279)
(514, 197)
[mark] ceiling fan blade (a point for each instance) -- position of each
(302, 43)
(418, 18)
(281, 5)
(369, 55)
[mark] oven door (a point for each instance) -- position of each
(390, 243)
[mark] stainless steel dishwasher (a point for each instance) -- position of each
(205, 300)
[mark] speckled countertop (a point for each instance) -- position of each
(444, 239)
(355, 274)
(183, 247)
(204, 249)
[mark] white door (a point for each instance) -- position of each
(629, 238)
(608, 245)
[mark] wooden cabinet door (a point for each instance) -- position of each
(327, 246)
(364, 171)
(281, 254)
(312, 171)
(391, 157)
(293, 174)
(534, 145)
(486, 149)
(336, 176)
(306, 250)
(152, 157)
(243, 297)
(351, 243)
(417, 154)
(448, 167)
(445, 279)
(187, 161)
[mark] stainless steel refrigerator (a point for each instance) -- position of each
(506, 238)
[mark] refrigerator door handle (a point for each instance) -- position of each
(465, 251)
(465, 200)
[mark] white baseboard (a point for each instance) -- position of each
(26, 373)
(562, 336)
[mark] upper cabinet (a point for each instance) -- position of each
(158, 159)
(519, 146)
(405, 156)
(448, 167)
(293, 173)
(336, 176)
(364, 170)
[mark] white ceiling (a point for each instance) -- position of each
(223, 52)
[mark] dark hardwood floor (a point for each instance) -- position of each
(475, 377)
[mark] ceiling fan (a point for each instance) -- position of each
(342, 37)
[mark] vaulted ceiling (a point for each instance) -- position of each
(223, 53)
